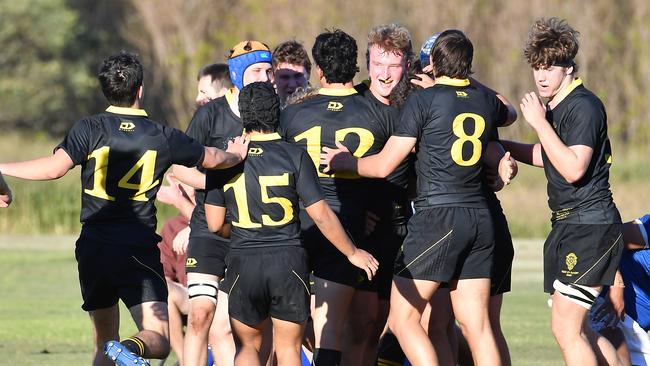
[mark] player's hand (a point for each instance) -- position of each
(424, 82)
(533, 110)
(615, 296)
(507, 168)
(5, 193)
(171, 193)
(338, 159)
(364, 260)
(371, 222)
(239, 146)
(181, 240)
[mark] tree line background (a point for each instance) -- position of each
(50, 51)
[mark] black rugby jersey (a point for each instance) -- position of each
(262, 193)
(453, 122)
(213, 124)
(123, 156)
(580, 119)
(392, 189)
(336, 115)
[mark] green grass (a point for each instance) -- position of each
(42, 324)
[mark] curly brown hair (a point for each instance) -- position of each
(293, 53)
(393, 38)
(551, 41)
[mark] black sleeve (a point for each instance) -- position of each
(586, 120)
(214, 183)
(412, 118)
(307, 184)
(285, 118)
(77, 142)
(183, 149)
(199, 125)
(501, 112)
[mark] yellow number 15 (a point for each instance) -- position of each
(147, 164)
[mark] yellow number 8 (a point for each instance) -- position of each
(458, 127)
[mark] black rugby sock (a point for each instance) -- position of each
(326, 357)
(135, 345)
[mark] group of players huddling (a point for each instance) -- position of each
(304, 218)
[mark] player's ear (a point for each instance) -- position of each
(319, 72)
(569, 70)
(140, 91)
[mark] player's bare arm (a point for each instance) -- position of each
(5, 193)
(512, 111)
(501, 167)
(379, 165)
(235, 154)
(331, 228)
(190, 176)
(46, 168)
(216, 218)
(570, 161)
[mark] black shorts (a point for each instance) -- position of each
(504, 253)
(208, 256)
(582, 254)
(329, 263)
(447, 243)
(268, 282)
(111, 272)
(384, 243)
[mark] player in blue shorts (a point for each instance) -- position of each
(632, 322)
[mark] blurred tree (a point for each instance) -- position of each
(43, 85)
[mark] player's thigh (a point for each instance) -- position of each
(470, 299)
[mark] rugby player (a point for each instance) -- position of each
(123, 156)
(268, 266)
(291, 68)
(214, 124)
(388, 55)
(583, 250)
(5, 193)
(336, 113)
(213, 81)
(450, 237)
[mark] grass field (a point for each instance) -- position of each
(42, 324)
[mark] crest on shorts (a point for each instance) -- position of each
(190, 262)
(571, 261)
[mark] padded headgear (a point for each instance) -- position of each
(243, 55)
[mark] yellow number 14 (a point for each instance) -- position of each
(147, 164)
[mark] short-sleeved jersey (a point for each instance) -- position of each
(580, 119)
(213, 124)
(453, 122)
(123, 156)
(262, 193)
(635, 269)
(336, 115)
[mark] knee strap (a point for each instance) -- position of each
(579, 294)
(207, 288)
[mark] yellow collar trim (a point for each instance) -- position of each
(561, 95)
(445, 80)
(230, 95)
(331, 92)
(266, 137)
(127, 111)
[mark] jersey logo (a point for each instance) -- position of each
(191, 263)
(571, 261)
(127, 126)
(608, 158)
(461, 94)
(255, 151)
(334, 106)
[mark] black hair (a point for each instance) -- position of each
(218, 72)
(120, 76)
(405, 87)
(259, 107)
(452, 55)
(335, 52)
